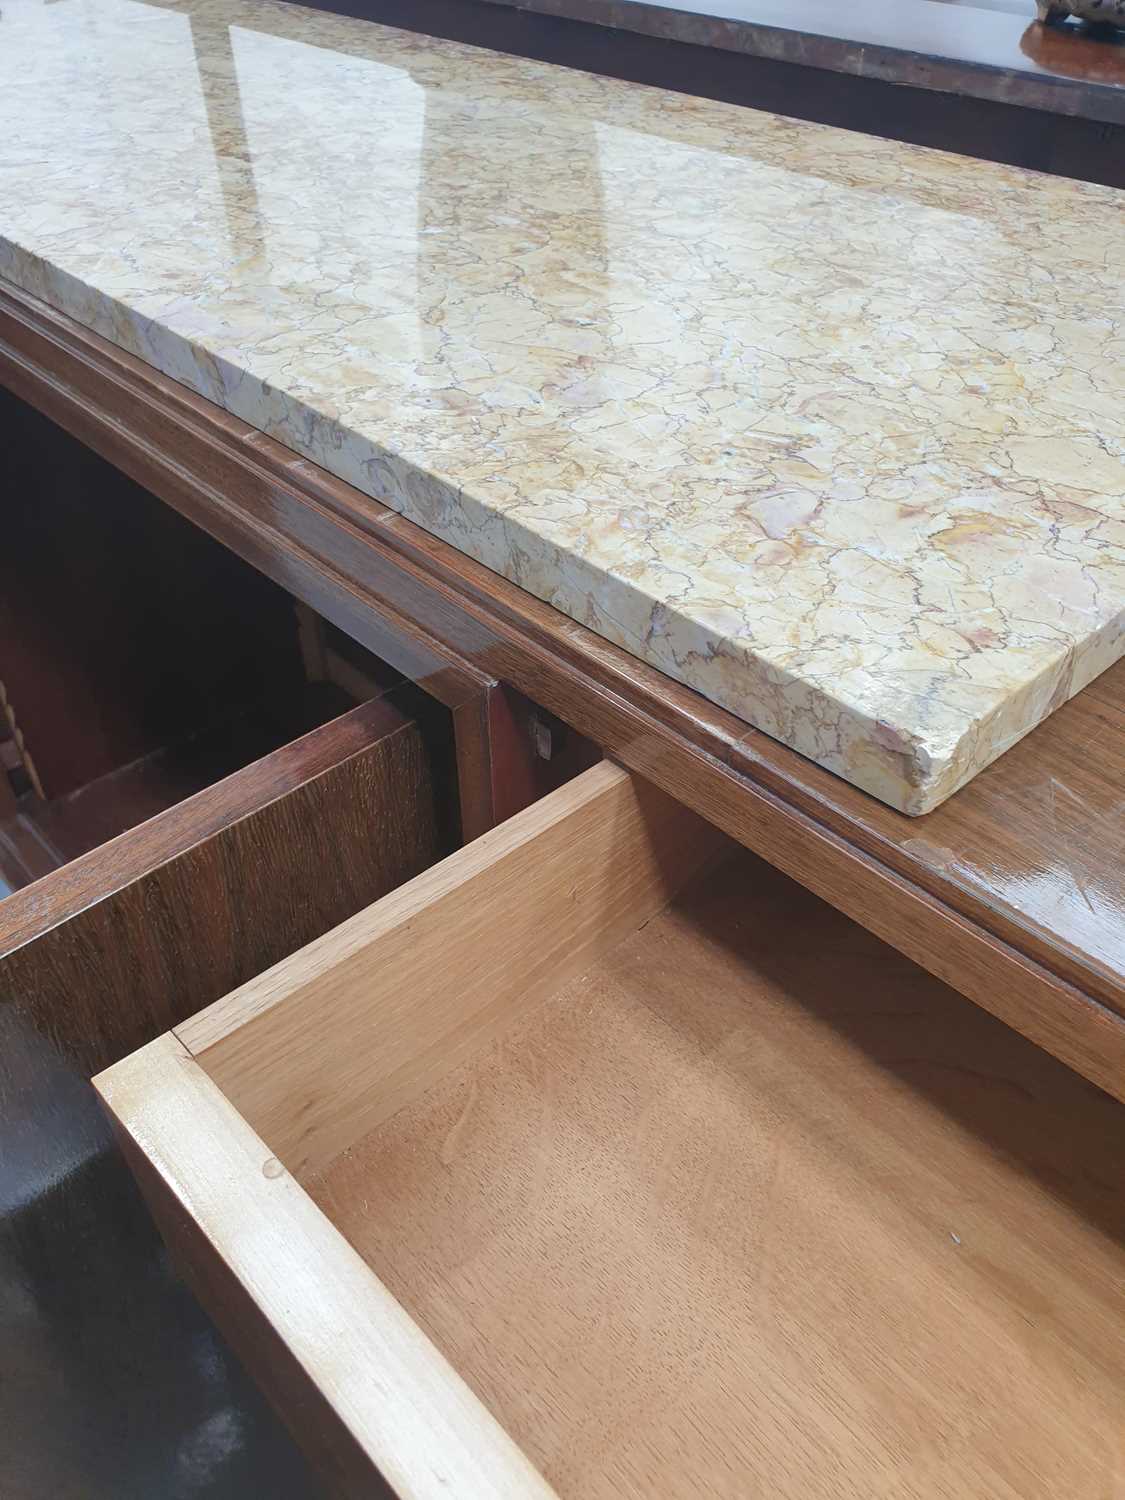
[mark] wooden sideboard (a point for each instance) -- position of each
(1010, 892)
(367, 1052)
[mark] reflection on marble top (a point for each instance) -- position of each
(830, 428)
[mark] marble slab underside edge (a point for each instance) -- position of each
(874, 512)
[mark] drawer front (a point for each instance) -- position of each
(105, 953)
(601, 1160)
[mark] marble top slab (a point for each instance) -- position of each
(830, 428)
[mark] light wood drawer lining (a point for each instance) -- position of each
(745, 1193)
(375, 1011)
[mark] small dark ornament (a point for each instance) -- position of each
(1096, 12)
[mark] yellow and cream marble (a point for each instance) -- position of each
(830, 428)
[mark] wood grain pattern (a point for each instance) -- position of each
(369, 1015)
(474, 741)
(65, 829)
(296, 1300)
(110, 1374)
(104, 954)
(757, 1208)
(519, 775)
(1010, 891)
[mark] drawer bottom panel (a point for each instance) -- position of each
(695, 1186)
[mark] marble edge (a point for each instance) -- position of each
(899, 768)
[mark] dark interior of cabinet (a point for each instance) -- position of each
(140, 660)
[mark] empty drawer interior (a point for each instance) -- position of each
(699, 1186)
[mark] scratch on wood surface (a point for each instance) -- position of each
(449, 1147)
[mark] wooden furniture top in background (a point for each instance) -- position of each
(723, 1198)
(984, 79)
(994, 51)
(1011, 891)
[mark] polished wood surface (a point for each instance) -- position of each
(755, 1207)
(124, 942)
(123, 627)
(1010, 891)
(41, 836)
(1084, 54)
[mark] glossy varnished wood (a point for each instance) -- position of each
(123, 626)
(1009, 892)
(101, 955)
(51, 834)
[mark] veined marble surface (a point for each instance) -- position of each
(830, 428)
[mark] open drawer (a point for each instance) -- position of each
(106, 952)
(602, 1160)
